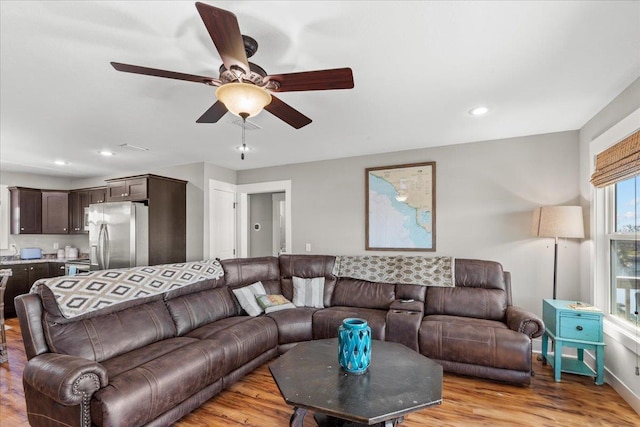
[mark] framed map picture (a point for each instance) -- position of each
(401, 207)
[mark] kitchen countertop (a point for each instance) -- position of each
(15, 260)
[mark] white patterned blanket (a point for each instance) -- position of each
(84, 293)
(425, 271)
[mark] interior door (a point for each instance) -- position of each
(224, 224)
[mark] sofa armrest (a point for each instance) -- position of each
(524, 321)
(415, 306)
(69, 380)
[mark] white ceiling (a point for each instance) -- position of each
(418, 67)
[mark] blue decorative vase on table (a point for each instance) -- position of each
(354, 345)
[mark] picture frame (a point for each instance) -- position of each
(400, 208)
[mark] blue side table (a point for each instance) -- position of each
(572, 327)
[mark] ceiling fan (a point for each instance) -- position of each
(245, 88)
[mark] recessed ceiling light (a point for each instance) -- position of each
(60, 162)
(244, 149)
(479, 111)
(107, 153)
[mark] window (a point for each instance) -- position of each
(624, 243)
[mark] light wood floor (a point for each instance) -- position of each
(255, 401)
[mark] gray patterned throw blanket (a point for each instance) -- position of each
(412, 270)
(84, 293)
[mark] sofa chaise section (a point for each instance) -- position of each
(473, 329)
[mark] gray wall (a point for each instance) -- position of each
(620, 360)
(485, 195)
(260, 212)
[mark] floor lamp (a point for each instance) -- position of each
(558, 222)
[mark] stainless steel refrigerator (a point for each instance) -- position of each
(118, 235)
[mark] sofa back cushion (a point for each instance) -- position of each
(105, 336)
(240, 272)
(480, 292)
(307, 267)
(414, 292)
(196, 309)
(361, 293)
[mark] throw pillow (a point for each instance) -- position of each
(308, 292)
(284, 306)
(246, 298)
(266, 301)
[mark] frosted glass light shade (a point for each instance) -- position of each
(558, 221)
(243, 98)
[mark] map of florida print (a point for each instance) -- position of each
(400, 208)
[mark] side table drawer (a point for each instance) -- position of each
(584, 327)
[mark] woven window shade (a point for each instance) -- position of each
(618, 162)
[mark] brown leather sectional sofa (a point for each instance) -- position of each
(152, 361)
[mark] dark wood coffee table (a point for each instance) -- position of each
(399, 381)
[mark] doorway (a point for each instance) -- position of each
(267, 231)
(233, 224)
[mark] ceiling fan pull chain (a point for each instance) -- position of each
(244, 145)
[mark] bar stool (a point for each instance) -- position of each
(4, 278)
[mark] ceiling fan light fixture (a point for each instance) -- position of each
(243, 98)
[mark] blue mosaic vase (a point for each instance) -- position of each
(354, 345)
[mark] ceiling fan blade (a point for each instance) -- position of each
(339, 78)
(164, 73)
(213, 114)
(225, 32)
(286, 113)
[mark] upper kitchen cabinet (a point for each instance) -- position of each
(79, 200)
(26, 210)
(167, 201)
(130, 189)
(97, 195)
(55, 212)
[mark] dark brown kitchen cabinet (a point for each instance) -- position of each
(79, 200)
(132, 189)
(55, 212)
(24, 275)
(26, 210)
(167, 201)
(97, 195)
(56, 269)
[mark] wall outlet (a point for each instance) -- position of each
(56, 246)
(307, 247)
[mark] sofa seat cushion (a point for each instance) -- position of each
(131, 360)
(294, 325)
(140, 395)
(474, 341)
(327, 321)
(243, 338)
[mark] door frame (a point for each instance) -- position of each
(243, 202)
(242, 211)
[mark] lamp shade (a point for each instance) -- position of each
(558, 221)
(243, 98)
